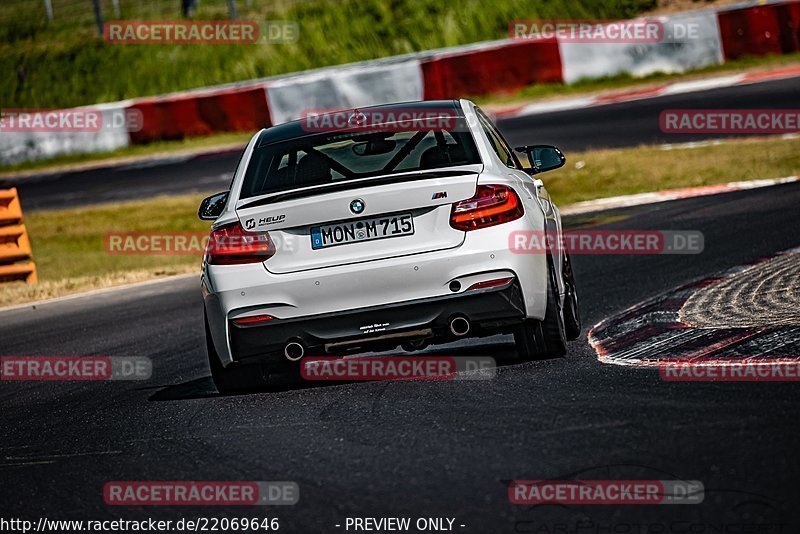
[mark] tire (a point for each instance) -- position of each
(572, 310)
(541, 340)
(233, 379)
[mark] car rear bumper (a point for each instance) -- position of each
(488, 311)
(232, 292)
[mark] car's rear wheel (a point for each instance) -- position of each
(572, 310)
(540, 340)
(232, 379)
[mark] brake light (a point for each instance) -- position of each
(231, 245)
(491, 205)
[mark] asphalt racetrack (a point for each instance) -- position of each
(615, 125)
(410, 448)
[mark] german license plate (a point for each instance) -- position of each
(359, 230)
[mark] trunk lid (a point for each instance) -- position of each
(342, 234)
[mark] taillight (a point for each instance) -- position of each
(231, 245)
(491, 205)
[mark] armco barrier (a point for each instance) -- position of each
(14, 243)
(500, 68)
(760, 30)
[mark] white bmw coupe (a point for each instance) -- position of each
(381, 227)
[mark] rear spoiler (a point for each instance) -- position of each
(353, 184)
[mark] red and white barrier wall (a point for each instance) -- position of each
(640, 59)
(342, 88)
(760, 30)
(201, 113)
(501, 66)
(112, 134)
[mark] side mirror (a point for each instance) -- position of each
(212, 207)
(543, 158)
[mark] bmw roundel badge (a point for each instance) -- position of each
(357, 206)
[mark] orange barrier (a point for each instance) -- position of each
(10, 209)
(18, 272)
(15, 246)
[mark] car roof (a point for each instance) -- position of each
(295, 129)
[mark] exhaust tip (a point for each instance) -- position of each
(293, 351)
(459, 326)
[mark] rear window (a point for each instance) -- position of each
(335, 157)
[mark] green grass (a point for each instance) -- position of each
(69, 246)
(70, 251)
(78, 235)
(66, 63)
(607, 173)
